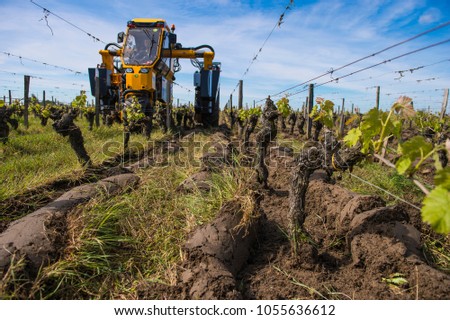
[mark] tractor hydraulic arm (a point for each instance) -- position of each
(192, 53)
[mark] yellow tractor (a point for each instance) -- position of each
(143, 64)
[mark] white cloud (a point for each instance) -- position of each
(430, 16)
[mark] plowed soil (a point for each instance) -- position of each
(356, 248)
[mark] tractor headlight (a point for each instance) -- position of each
(129, 70)
(144, 70)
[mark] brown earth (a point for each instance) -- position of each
(356, 248)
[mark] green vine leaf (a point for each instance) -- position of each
(134, 110)
(396, 279)
(413, 149)
(314, 112)
(283, 107)
(243, 114)
(80, 102)
(352, 137)
(352, 119)
(371, 124)
(436, 210)
(403, 165)
(323, 112)
(442, 178)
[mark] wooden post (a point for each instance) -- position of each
(444, 104)
(378, 98)
(178, 103)
(240, 97)
(43, 98)
(342, 121)
(254, 104)
(97, 99)
(353, 105)
(231, 102)
(310, 107)
(26, 102)
(305, 110)
(10, 97)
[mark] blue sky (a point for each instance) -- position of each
(315, 37)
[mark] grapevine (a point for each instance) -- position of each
(377, 126)
(283, 107)
(323, 112)
(134, 110)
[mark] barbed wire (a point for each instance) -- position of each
(409, 92)
(41, 78)
(374, 65)
(42, 62)
(399, 71)
(280, 21)
(47, 12)
(332, 70)
(411, 70)
(179, 85)
(22, 74)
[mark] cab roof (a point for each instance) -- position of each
(149, 20)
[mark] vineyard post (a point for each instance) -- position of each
(231, 102)
(10, 97)
(341, 123)
(378, 98)
(305, 110)
(410, 120)
(97, 100)
(26, 92)
(240, 98)
(310, 107)
(444, 104)
(353, 105)
(43, 98)
(178, 102)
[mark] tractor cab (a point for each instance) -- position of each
(145, 40)
(142, 46)
(142, 58)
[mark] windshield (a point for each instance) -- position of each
(142, 46)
